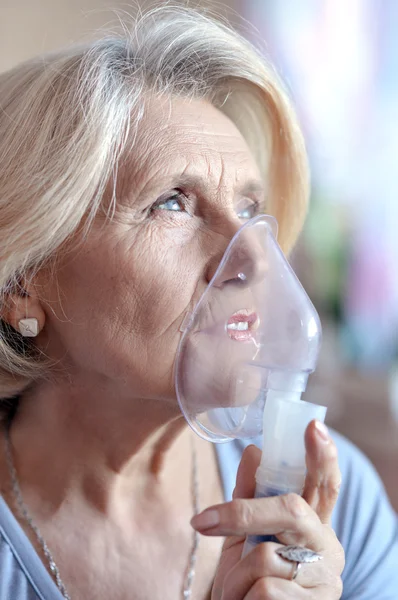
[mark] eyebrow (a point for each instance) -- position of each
(252, 186)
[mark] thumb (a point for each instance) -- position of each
(245, 488)
(245, 478)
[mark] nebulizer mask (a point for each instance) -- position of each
(245, 356)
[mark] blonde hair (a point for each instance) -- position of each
(64, 124)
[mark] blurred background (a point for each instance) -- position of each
(339, 60)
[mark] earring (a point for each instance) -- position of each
(28, 327)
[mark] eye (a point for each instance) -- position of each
(176, 202)
(249, 211)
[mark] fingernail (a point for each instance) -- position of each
(322, 431)
(206, 519)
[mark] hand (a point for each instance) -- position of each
(303, 521)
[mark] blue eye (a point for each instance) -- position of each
(174, 203)
(249, 211)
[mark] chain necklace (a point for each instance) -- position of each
(16, 490)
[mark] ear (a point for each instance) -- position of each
(23, 302)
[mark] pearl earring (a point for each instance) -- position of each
(29, 327)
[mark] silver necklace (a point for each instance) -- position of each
(16, 490)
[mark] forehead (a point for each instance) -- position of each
(190, 137)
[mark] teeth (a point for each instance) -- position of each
(240, 326)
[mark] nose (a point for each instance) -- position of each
(242, 262)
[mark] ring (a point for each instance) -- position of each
(297, 568)
(298, 555)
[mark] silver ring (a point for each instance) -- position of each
(297, 568)
(298, 554)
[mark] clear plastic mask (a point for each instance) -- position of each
(253, 330)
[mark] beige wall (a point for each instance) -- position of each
(30, 27)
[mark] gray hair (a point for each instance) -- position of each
(65, 122)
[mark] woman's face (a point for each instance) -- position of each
(117, 304)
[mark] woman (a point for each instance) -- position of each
(126, 167)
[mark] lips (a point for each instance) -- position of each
(242, 325)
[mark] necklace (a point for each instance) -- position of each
(16, 490)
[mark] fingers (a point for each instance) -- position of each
(271, 588)
(245, 486)
(323, 478)
(263, 561)
(246, 476)
(288, 517)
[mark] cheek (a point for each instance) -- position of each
(119, 305)
(159, 287)
(83, 305)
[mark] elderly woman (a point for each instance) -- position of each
(127, 165)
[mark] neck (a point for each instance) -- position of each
(77, 441)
